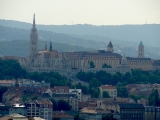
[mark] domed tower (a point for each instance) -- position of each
(33, 40)
(110, 47)
(141, 50)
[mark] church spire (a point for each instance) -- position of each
(34, 25)
(33, 39)
(50, 47)
(110, 47)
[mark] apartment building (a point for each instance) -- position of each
(40, 108)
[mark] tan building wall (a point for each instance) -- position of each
(112, 90)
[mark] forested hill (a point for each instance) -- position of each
(15, 41)
(148, 33)
(21, 47)
(9, 33)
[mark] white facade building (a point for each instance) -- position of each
(78, 92)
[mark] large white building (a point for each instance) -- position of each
(51, 60)
(72, 62)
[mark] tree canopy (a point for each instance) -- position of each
(10, 68)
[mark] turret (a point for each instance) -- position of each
(110, 47)
(141, 50)
(50, 47)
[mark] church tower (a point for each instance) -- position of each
(110, 47)
(50, 46)
(33, 39)
(141, 50)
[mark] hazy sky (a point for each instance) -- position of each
(96, 12)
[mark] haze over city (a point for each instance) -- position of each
(95, 12)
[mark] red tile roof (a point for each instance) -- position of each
(9, 57)
(6, 81)
(108, 87)
(61, 115)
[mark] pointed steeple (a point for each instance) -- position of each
(34, 25)
(110, 44)
(33, 39)
(124, 60)
(110, 47)
(50, 47)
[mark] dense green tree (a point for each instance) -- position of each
(122, 92)
(91, 63)
(133, 97)
(95, 93)
(94, 83)
(114, 79)
(154, 98)
(106, 117)
(24, 98)
(55, 104)
(11, 69)
(63, 105)
(85, 90)
(76, 117)
(106, 94)
(106, 66)
(2, 90)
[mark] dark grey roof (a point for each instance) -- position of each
(130, 106)
(133, 58)
(156, 63)
(84, 54)
(4, 107)
(46, 95)
(141, 44)
(64, 95)
(110, 44)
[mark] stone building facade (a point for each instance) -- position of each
(51, 60)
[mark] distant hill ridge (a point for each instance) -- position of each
(149, 33)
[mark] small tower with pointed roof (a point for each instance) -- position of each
(141, 50)
(50, 47)
(110, 47)
(124, 60)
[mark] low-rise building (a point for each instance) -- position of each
(4, 110)
(61, 115)
(131, 111)
(7, 83)
(92, 114)
(19, 109)
(112, 90)
(73, 102)
(16, 116)
(152, 113)
(40, 108)
(78, 92)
